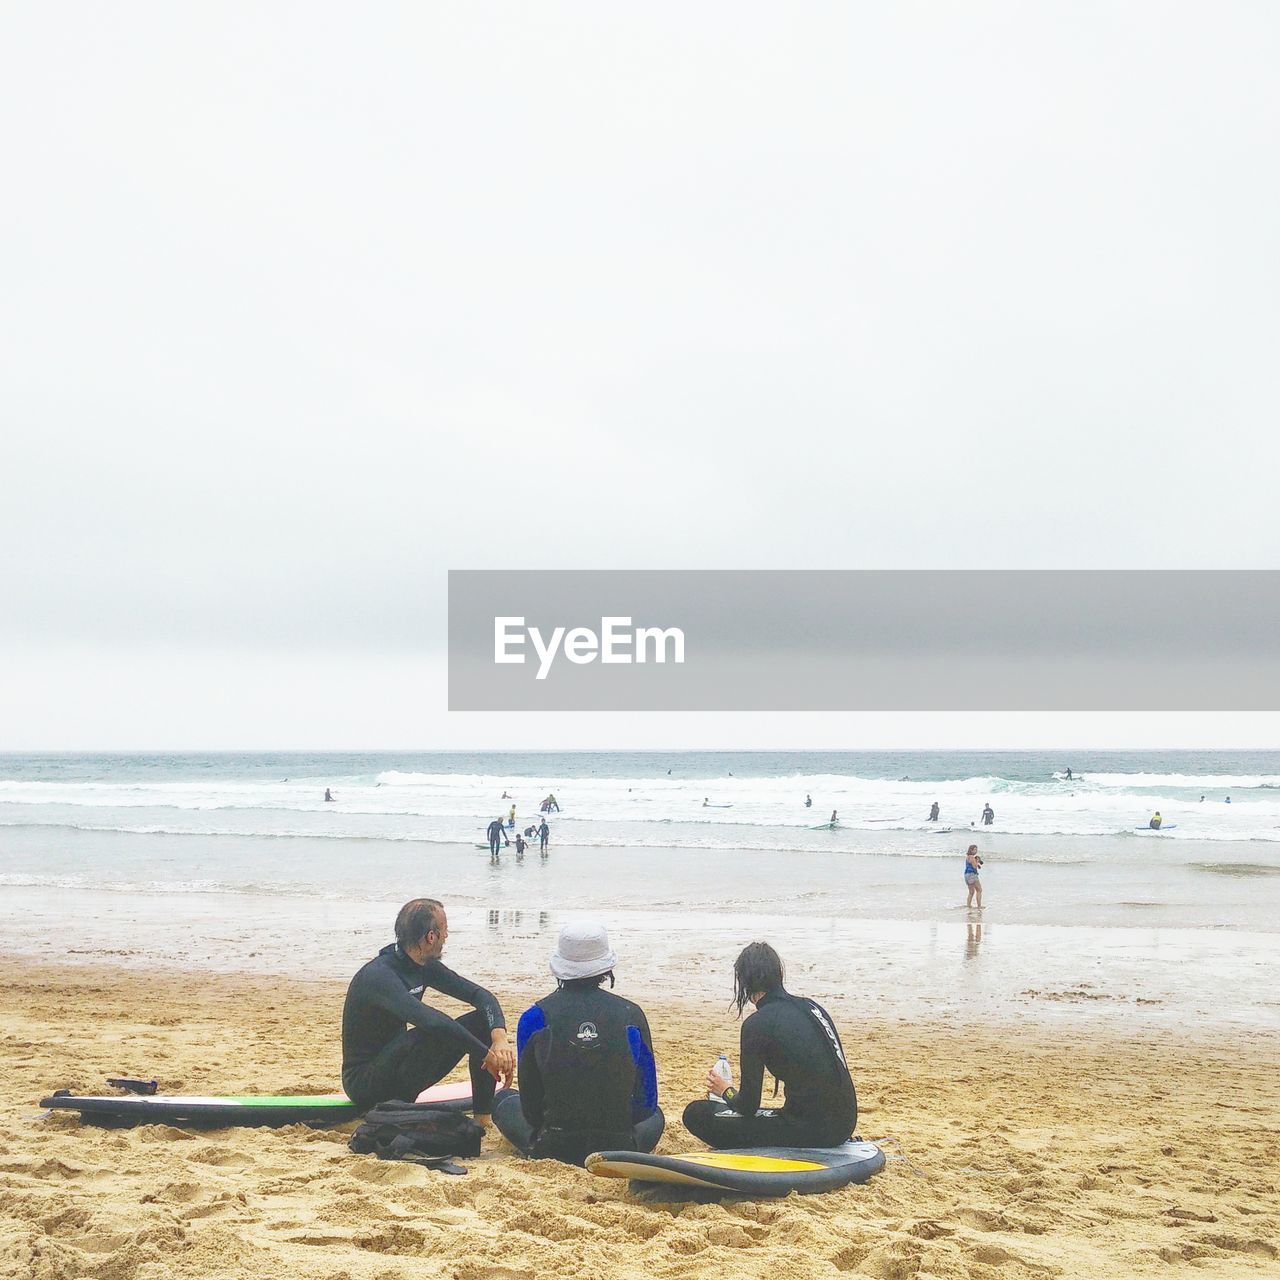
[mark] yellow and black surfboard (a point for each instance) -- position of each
(768, 1171)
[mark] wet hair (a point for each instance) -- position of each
(416, 920)
(585, 984)
(758, 968)
(973, 848)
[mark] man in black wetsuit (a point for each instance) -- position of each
(796, 1041)
(988, 815)
(495, 833)
(544, 834)
(587, 1076)
(382, 1060)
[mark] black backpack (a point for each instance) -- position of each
(419, 1132)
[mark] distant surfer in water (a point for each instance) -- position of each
(1154, 824)
(1068, 773)
(934, 811)
(328, 795)
(808, 802)
(834, 818)
(972, 865)
(988, 815)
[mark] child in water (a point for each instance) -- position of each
(972, 865)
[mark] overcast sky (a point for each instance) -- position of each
(302, 305)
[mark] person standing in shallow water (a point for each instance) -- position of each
(934, 811)
(972, 866)
(495, 834)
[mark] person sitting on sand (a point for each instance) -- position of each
(972, 865)
(381, 1060)
(795, 1040)
(587, 1076)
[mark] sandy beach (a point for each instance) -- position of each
(1027, 1150)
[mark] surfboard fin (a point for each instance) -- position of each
(144, 1088)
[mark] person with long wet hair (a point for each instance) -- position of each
(796, 1041)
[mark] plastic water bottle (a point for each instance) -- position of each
(724, 1071)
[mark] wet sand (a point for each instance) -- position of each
(1028, 1149)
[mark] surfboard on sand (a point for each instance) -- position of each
(769, 1171)
(234, 1110)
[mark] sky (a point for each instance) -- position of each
(305, 304)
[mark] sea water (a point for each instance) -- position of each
(237, 861)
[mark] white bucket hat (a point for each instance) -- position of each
(582, 951)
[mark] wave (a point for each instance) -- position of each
(1242, 869)
(1179, 781)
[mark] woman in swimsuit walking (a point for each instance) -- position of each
(972, 865)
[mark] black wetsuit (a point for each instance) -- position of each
(587, 1078)
(381, 1060)
(795, 1040)
(933, 813)
(544, 834)
(496, 835)
(988, 816)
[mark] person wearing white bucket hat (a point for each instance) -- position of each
(586, 1070)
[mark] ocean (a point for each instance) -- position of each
(235, 861)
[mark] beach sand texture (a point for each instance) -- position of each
(1029, 1151)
